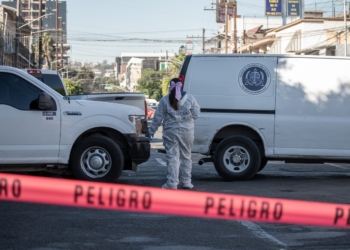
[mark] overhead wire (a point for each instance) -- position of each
(108, 39)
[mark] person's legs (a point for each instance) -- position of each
(185, 148)
(170, 142)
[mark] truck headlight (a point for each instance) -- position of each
(137, 121)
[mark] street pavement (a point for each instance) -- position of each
(41, 227)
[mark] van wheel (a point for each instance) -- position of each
(97, 158)
(262, 163)
(237, 158)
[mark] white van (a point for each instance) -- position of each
(256, 108)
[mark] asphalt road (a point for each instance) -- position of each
(41, 227)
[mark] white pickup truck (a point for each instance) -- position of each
(43, 130)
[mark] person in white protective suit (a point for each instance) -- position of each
(177, 111)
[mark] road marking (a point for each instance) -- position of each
(338, 166)
(259, 232)
(163, 163)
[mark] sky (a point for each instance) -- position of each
(101, 30)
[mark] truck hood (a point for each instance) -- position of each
(107, 105)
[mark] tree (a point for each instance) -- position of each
(174, 69)
(85, 77)
(106, 80)
(150, 83)
(72, 73)
(165, 85)
(107, 83)
(103, 67)
(47, 48)
(73, 88)
(85, 73)
(176, 63)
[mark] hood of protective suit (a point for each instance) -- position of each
(182, 100)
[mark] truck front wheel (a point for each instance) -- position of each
(237, 158)
(97, 158)
(262, 164)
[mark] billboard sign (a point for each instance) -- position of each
(273, 7)
(293, 8)
(220, 12)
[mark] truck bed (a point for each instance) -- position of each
(127, 98)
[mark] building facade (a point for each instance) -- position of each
(131, 65)
(154, 61)
(312, 35)
(8, 55)
(308, 36)
(44, 12)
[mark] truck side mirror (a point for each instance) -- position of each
(44, 101)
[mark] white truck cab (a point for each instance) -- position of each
(42, 129)
(256, 108)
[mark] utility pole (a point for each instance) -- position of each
(302, 14)
(203, 40)
(56, 34)
(62, 42)
(226, 28)
(17, 35)
(31, 38)
(166, 59)
(234, 36)
(284, 12)
(40, 36)
(346, 31)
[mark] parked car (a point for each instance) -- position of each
(151, 102)
(150, 112)
(154, 107)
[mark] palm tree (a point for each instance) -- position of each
(47, 48)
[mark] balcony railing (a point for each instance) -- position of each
(23, 50)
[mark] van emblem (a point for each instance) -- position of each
(254, 78)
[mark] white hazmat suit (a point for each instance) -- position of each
(178, 135)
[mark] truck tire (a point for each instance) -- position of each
(97, 158)
(262, 163)
(237, 158)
